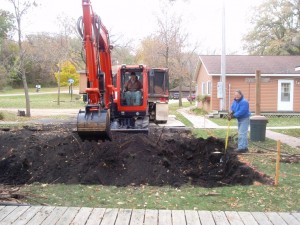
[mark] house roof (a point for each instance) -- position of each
(245, 64)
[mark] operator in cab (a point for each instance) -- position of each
(133, 89)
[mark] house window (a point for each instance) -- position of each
(285, 92)
(209, 87)
(203, 88)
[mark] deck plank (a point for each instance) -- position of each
(124, 216)
(109, 217)
(233, 218)
(32, 215)
(137, 217)
(41, 215)
(54, 215)
(96, 216)
(14, 215)
(151, 217)
(6, 211)
(289, 218)
(247, 218)
(68, 216)
(27, 215)
(220, 218)
(82, 216)
(206, 218)
(275, 218)
(178, 217)
(192, 217)
(296, 215)
(261, 218)
(165, 217)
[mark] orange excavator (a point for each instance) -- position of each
(109, 106)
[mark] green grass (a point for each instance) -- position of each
(281, 121)
(32, 90)
(224, 121)
(173, 111)
(205, 133)
(272, 122)
(45, 101)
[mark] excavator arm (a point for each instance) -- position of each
(94, 122)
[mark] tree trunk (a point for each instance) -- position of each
(58, 87)
(180, 91)
(22, 70)
(26, 91)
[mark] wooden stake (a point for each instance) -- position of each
(277, 164)
(257, 92)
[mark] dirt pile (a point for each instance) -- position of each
(55, 154)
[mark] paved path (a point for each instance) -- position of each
(289, 140)
(202, 122)
(42, 215)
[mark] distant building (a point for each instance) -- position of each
(280, 83)
(185, 91)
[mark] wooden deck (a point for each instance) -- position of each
(45, 215)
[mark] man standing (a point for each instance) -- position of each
(133, 90)
(240, 111)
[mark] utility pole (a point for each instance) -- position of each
(223, 62)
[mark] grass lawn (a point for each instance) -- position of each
(33, 90)
(44, 101)
(272, 122)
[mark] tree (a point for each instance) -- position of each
(68, 71)
(6, 24)
(175, 48)
(148, 52)
(276, 29)
(20, 10)
(63, 51)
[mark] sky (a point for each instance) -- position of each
(135, 19)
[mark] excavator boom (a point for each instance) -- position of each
(94, 122)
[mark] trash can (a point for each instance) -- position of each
(258, 126)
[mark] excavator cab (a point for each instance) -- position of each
(129, 108)
(131, 97)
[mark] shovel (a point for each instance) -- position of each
(224, 157)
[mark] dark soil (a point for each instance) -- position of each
(55, 154)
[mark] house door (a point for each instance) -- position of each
(285, 95)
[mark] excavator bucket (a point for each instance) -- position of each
(94, 125)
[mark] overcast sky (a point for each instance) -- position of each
(135, 19)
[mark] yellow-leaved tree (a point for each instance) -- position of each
(67, 73)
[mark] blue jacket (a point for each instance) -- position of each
(240, 108)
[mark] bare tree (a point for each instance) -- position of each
(63, 53)
(176, 50)
(20, 9)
